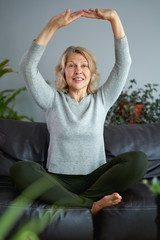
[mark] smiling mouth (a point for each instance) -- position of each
(78, 79)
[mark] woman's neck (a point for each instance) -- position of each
(77, 95)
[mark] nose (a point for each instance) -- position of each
(78, 70)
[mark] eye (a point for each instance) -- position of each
(84, 65)
(71, 65)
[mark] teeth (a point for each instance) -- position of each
(78, 79)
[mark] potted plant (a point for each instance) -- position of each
(8, 97)
(135, 105)
(154, 187)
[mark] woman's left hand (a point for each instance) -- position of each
(105, 14)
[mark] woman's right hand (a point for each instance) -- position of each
(56, 22)
(65, 18)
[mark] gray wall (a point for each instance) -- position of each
(21, 21)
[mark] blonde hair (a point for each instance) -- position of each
(61, 83)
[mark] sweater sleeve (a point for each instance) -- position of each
(41, 92)
(112, 88)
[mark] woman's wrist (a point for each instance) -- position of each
(46, 34)
(117, 26)
(113, 15)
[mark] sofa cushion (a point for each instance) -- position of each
(67, 224)
(133, 219)
(24, 140)
(135, 137)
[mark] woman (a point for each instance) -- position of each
(75, 114)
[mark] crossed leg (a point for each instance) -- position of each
(114, 178)
(102, 187)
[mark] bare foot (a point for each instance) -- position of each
(106, 201)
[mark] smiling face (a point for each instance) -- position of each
(77, 73)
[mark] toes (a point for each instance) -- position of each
(116, 196)
(115, 199)
(114, 202)
(106, 201)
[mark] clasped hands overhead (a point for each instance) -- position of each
(67, 17)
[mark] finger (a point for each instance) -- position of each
(86, 11)
(99, 13)
(91, 10)
(96, 10)
(76, 15)
(89, 14)
(67, 13)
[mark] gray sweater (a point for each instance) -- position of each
(76, 128)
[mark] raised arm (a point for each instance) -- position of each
(112, 88)
(41, 92)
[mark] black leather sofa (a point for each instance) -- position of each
(133, 219)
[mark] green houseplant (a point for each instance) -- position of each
(125, 110)
(29, 230)
(154, 187)
(8, 96)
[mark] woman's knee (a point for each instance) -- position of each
(139, 163)
(24, 173)
(134, 162)
(140, 159)
(23, 167)
(15, 169)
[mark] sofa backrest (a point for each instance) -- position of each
(20, 140)
(135, 137)
(27, 141)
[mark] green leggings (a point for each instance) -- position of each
(81, 191)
